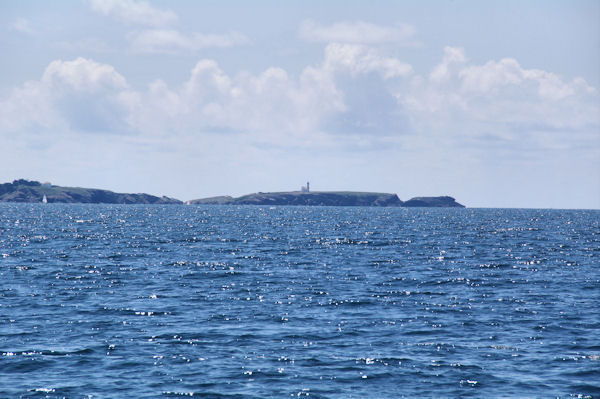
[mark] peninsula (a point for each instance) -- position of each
(329, 198)
(33, 191)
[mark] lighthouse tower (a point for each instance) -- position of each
(307, 187)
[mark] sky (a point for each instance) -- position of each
(495, 103)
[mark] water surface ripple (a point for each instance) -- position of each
(256, 302)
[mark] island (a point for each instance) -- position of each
(432, 202)
(33, 191)
(328, 198)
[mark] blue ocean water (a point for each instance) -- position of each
(258, 302)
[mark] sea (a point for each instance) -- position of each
(150, 301)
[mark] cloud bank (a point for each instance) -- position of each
(504, 100)
(353, 90)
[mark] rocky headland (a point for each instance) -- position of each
(33, 191)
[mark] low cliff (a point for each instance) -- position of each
(33, 191)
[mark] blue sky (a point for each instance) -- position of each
(496, 103)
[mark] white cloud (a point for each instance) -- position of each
(162, 39)
(134, 11)
(503, 101)
(22, 25)
(355, 90)
(453, 58)
(271, 104)
(357, 32)
(359, 59)
(84, 95)
(496, 75)
(28, 108)
(82, 75)
(173, 41)
(78, 95)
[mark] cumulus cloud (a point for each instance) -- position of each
(172, 41)
(85, 95)
(358, 59)
(495, 76)
(356, 32)
(134, 11)
(78, 95)
(82, 75)
(354, 90)
(271, 103)
(276, 104)
(502, 99)
(453, 59)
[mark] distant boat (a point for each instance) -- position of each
(45, 200)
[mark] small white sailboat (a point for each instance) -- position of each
(45, 200)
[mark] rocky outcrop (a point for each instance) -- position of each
(438, 202)
(221, 200)
(33, 191)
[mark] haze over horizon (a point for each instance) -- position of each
(496, 104)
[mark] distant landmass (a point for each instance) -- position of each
(329, 198)
(33, 191)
